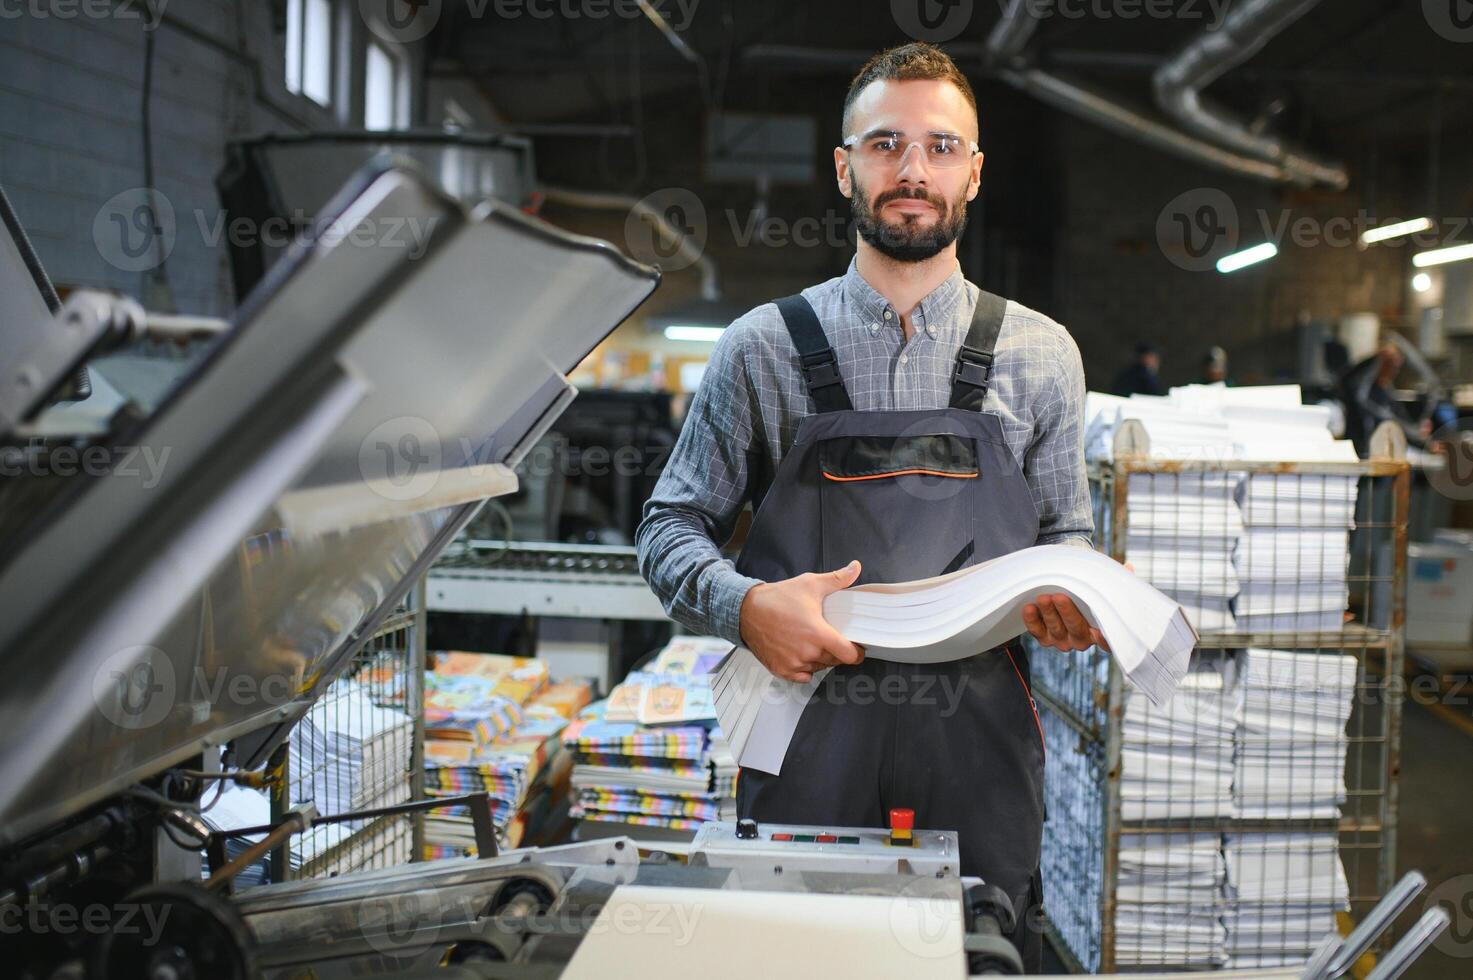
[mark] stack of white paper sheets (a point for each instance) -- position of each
(1299, 500)
(1182, 528)
(959, 615)
(1291, 741)
(1293, 556)
(1283, 892)
(1177, 758)
(1176, 431)
(1170, 895)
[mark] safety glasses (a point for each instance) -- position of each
(887, 148)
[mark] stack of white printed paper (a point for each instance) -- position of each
(1293, 556)
(1170, 901)
(1177, 758)
(1283, 892)
(1176, 431)
(1182, 528)
(960, 615)
(1291, 741)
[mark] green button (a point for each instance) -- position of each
(848, 840)
(803, 838)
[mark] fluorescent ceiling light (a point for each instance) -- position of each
(1236, 261)
(1441, 256)
(1395, 230)
(686, 332)
(1421, 282)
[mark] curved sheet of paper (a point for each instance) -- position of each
(959, 615)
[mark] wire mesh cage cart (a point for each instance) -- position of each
(1256, 811)
(361, 748)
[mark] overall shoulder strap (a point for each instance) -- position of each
(815, 357)
(973, 372)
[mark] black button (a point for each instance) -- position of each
(747, 829)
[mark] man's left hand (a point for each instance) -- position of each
(1055, 621)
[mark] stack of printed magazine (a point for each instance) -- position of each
(649, 755)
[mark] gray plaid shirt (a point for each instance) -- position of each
(745, 416)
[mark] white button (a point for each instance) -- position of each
(887, 314)
(931, 331)
(874, 328)
(904, 358)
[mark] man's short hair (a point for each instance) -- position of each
(907, 62)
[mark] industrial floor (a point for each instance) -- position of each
(1435, 833)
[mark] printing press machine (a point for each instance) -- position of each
(335, 436)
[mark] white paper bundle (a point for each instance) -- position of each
(1283, 892)
(1177, 758)
(1292, 712)
(1299, 500)
(959, 615)
(1181, 531)
(1169, 891)
(1294, 553)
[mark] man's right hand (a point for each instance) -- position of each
(782, 623)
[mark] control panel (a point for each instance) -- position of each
(899, 849)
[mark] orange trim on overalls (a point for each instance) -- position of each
(1031, 704)
(881, 476)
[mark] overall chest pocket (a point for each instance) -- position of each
(905, 506)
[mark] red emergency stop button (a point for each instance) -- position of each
(902, 824)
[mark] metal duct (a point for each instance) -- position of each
(1112, 115)
(1244, 31)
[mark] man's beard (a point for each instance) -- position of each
(908, 240)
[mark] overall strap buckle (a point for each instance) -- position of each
(817, 361)
(972, 375)
(973, 367)
(821, 369)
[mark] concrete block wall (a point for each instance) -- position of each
(1116, 285)
(71, 128)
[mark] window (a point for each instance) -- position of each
(380, 89)
(309, 49)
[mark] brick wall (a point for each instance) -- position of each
(71, 128)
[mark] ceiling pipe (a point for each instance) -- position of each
(1010, 34)
(1178, 84)
(1112, 115)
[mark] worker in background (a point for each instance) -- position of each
(1370, 399)
(1143, 375)
(1214, 367)
(890, 424)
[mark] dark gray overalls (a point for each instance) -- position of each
(911, 494)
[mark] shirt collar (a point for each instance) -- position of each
(936, 309)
